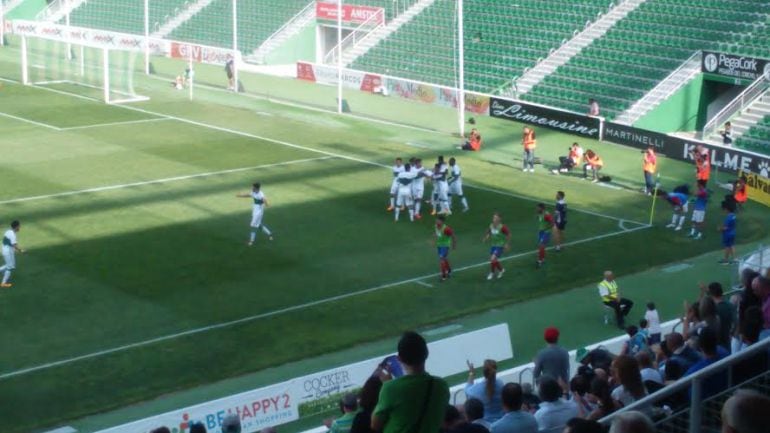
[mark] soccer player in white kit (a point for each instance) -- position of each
(441, 188)
(258, 210)
(456, 184)
(404, 197)
(418, 185)
(10, 248)
(397, 168)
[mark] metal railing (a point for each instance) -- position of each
(743, 100)
(355, 37)
(290, 22)
(694, 384)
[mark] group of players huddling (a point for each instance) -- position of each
(407, 192)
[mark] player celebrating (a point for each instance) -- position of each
(260, 203)
(561, 219)
(404, 198)
(10, 248)
(418, 186)
(440, 198)
(456, 184)
(545, 225)
(445, 238)
(397, 168)
(500, 238)
(699, 210)
(678, 200)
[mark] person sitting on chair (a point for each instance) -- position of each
(473, 143)
(608, 290)
(594, 163)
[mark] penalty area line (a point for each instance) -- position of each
(294, 308)
(127, 122)
(31, 122)
(164, 180)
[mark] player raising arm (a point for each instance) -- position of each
(500, 238)
(444, 239)
(397, 168)
(257, 212)
(10, 248)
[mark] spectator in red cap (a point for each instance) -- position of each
(554, 359)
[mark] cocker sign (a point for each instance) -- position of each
(258, 409)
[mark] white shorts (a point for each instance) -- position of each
(404, 197)
(394, 186)
(256, 218)
(442, 190)
(10, 259)
(698, 216)
(418, 192)
(456, 188)
(682, 208)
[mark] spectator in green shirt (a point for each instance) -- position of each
(349, 409)
(415, 402)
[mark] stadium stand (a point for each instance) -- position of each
(125, 16)
(257, 20)
(644, 48)
(501, 40)
(757, 138)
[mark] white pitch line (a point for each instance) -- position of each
(127, 122)
(32, 122)
(417, 280)
(423, 283)
(157, 181)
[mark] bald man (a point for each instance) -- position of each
(747, 411)
(608, 290)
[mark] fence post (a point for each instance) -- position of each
(695, 406)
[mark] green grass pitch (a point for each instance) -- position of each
(138, 282)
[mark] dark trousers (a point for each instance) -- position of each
(622, 307)
(565, 162)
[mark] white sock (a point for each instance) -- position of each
(445, 205)
(398, 211)
(673, 219)
(411, 214)
(6, 276)
(417, 207)
(392, 201)
(464, 201)
(692, 231)
(253, 236)
(266, 230)
(681, 220)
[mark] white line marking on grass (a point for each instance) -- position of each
(621, 224)
(297, 146)
(164, 180)
(281, 311)
(127, 122)
(424, 284)
(32, 122)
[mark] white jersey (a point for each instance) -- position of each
(418, 184)
(455, 180)
(396, 169)
(9, 240)
(405, 180)
(258, 208)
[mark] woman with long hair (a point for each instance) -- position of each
(488, 391)
(367, 400)
(600, 395)
(626, 374)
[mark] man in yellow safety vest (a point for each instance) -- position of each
(608, 290)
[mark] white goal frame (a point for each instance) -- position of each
(108, 94)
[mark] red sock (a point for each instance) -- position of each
(499, 266)
(541, 253)
(492, 266)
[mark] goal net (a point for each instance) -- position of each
(101, 73)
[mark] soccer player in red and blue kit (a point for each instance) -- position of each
(445, 239)
(545, 225)
(500, 237)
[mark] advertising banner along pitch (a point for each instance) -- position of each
(536, 115)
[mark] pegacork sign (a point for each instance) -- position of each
(734, 66)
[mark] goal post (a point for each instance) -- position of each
(89, 70)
